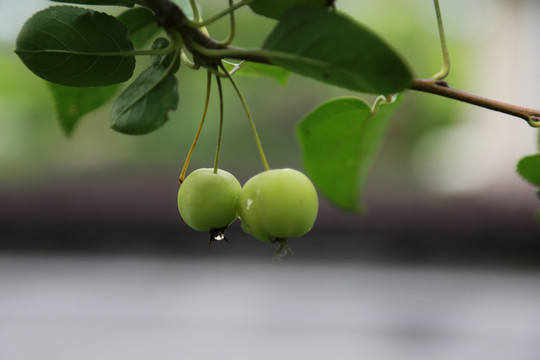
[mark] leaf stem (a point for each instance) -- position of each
(190, 64)
(194, 143)
(250, 118)
(232, 30)
(217, 73)
(380, 100)
(230, 52)
(218, 16)
(442, 88)
(255, 55)
(220, 131)
(195, 8)
(445, 70)
(167, 71)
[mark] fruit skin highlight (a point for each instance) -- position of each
(208, 200)
(278, 204)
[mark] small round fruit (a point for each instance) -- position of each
(278, 204)
(208, 200)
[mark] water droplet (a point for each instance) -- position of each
(219, 235)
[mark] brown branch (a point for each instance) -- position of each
(441, 88)
(167, 13)
(170, 16)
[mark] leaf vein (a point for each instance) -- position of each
(78, 33)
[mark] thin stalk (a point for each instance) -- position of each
(197, 17)
(250, 118)
(194, 143)
(232, 30)
(218, 16)
(220, 131)
(445, 70)
(216, 72)
(190, 64)
(195, 8)
(256, 55)
(380, 100)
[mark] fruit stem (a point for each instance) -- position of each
(190, 153)
(250, 118)
(220, 132)
(283, 249)
(446, 56)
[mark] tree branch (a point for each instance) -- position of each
(441, 88)
(436, 87)
(167, 13)
(170, 16)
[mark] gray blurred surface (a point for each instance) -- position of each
(70, 307)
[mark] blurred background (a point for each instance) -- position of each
(95, 261)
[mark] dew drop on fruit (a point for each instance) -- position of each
(218, 234)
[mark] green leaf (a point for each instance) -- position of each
(73, 103)
(165, 60)
(141, 25)
(274, 72)
(256, 70)
(275, 8)
(128, 3)
(529, 168)
(332, 48)
(72, 46)
(144, 106)
(339, 140)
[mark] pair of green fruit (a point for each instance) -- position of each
(273, 205)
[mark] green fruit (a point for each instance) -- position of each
(208, 201)
(278, 204)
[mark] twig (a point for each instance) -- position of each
(441, 88)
